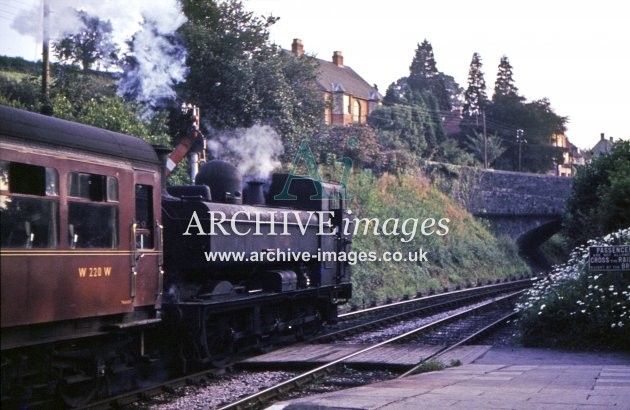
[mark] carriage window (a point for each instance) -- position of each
(28, 179)
(144, 216)
(27, 221)
(97, 188)
(92, 225)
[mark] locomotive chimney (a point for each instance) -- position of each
(254, 193)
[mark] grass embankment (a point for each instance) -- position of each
(468, 253)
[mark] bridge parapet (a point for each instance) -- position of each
(514, 193)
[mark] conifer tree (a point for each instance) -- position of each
(423, 65)
(505, 82)
(424, 78)
(475, 98)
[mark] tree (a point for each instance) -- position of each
(423, 66)
(91, 44)
(404, 127)
(493, 146)
(239, 79)
(454, 91)
(600, 196)
(449, 151)
(397, 93)
(508, 113)
(424, 78)
(505, 82)
(475, 98)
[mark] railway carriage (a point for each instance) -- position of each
(80, 213)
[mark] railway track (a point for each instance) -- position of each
(349, 323)
(374, 317)
(491, 316)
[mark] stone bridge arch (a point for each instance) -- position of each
(526, 207)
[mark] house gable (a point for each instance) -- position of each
(350, 98)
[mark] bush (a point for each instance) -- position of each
(600, 196)
(576, 308)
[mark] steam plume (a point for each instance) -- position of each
(255, 151)
(158, 60)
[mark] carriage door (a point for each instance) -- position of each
(145, 249)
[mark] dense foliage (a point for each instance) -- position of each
(239, 78)
(574, 307)
(414, 106)
(92, 44)
(600, 196)
(405, 126)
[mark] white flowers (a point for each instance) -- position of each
(600, 298)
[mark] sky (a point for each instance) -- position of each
(575, 53)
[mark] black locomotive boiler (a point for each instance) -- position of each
(107, 276)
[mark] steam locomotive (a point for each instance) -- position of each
(108, 276)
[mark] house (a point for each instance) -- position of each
(572, 156)
(350, 98)
(603, 146)
(562, 169)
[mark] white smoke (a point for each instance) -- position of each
(149, 24)
(254, 151)
(158, 62)
(126, 17)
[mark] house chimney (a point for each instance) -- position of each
(337, 59)
(602, 136)
(611, 139)
(297, 47)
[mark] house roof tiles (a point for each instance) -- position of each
(333, 78)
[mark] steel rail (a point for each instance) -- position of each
(478, 289)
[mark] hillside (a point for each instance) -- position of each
(468, 253)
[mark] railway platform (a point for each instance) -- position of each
(400, 357)
(501, 378)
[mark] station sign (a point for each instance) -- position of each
(609, 258)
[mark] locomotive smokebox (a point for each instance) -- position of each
(224, 180)
(253, 193)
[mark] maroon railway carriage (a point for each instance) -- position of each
(80, 237)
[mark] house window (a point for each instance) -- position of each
(356, 111)
(346, 104)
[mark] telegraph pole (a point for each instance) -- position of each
(46, 107)
(485, 143)
(519, 140)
